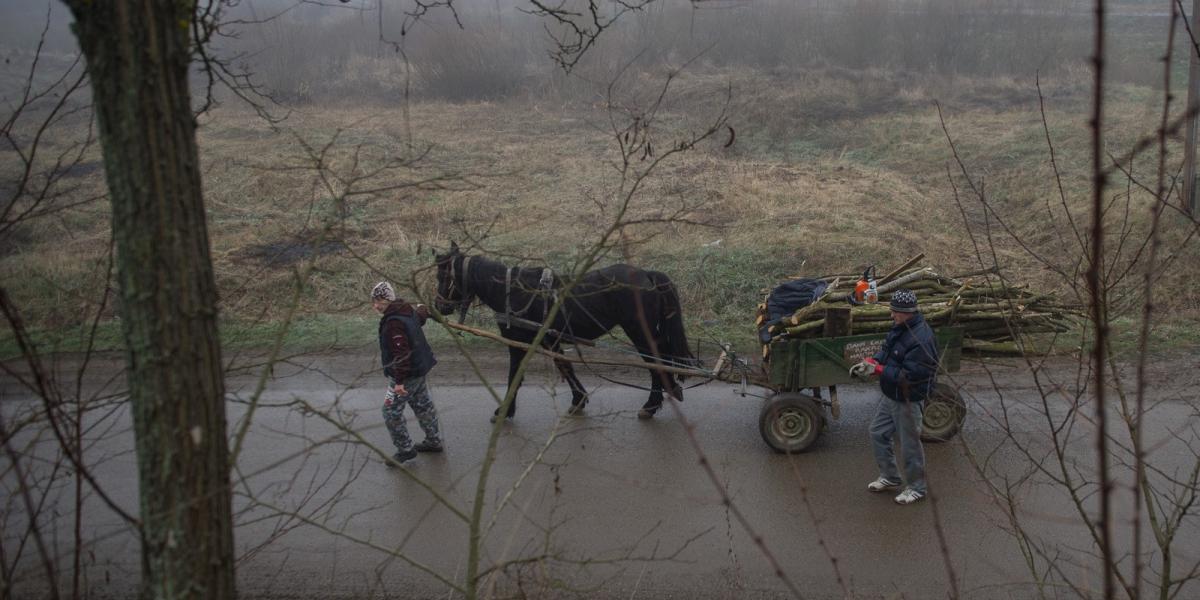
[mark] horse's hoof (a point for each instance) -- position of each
(646, 414)
(497, 417)
(575, 410)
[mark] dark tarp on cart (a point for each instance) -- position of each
(786, 298)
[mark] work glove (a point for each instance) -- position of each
(866, 368)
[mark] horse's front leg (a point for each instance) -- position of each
(578, 393)
(514, 361)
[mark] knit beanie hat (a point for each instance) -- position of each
(383, 291)
(904, 301)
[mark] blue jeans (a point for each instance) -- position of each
(903, 418)
(422, 406)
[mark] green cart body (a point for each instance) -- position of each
(794, 414)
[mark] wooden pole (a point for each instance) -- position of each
(910, 262)
(697, 372)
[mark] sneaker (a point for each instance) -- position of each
(883, 484)
(400, 458)
(507, 419)
(429, 446)
(909, 496)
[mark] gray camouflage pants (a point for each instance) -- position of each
(422, 406)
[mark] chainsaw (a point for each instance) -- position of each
(865, 291)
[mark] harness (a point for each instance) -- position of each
(545, 285)
(509, 318)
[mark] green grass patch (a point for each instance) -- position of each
(307, 334)
(1165, 338)
(107, 337)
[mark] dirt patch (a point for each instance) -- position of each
(287, 252)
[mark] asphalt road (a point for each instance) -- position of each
(607, 505)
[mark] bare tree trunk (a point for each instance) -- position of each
(138, 53)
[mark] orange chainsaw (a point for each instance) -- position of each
(865, 291)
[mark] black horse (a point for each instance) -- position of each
(643, 303)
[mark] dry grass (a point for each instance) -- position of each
(831, 171)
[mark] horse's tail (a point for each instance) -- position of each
(671, 321)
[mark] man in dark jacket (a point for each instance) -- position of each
(907, 367)
(406, 358)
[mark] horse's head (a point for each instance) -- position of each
(452, 292)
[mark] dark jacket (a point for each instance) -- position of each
(910, 361)
(402, 346)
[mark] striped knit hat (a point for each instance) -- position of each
(383, 291)
(904, 301)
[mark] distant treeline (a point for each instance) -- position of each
(500, 51)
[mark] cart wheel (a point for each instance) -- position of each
(790, 422)
(945, 412)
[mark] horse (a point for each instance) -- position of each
(645, 304)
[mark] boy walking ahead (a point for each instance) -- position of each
(406, 358)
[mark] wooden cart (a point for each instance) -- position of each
(793, 414)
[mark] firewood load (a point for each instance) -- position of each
(998, 318)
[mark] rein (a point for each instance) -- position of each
(465, 304)
(706, 377)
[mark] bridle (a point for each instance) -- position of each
(464, 302)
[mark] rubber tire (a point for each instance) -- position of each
(944, 413)
(790, 422)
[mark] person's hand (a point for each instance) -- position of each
(866, 368)
(860, 370)
(399, 389)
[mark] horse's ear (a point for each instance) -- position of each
(453, 247)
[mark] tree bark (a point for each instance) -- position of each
(138, 53)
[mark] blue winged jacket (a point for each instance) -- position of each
(910, 361)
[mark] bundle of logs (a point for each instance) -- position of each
(998, 319)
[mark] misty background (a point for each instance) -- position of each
(496, 50)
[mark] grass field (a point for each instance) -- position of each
(831, 170)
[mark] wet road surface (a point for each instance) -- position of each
(614, 506)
